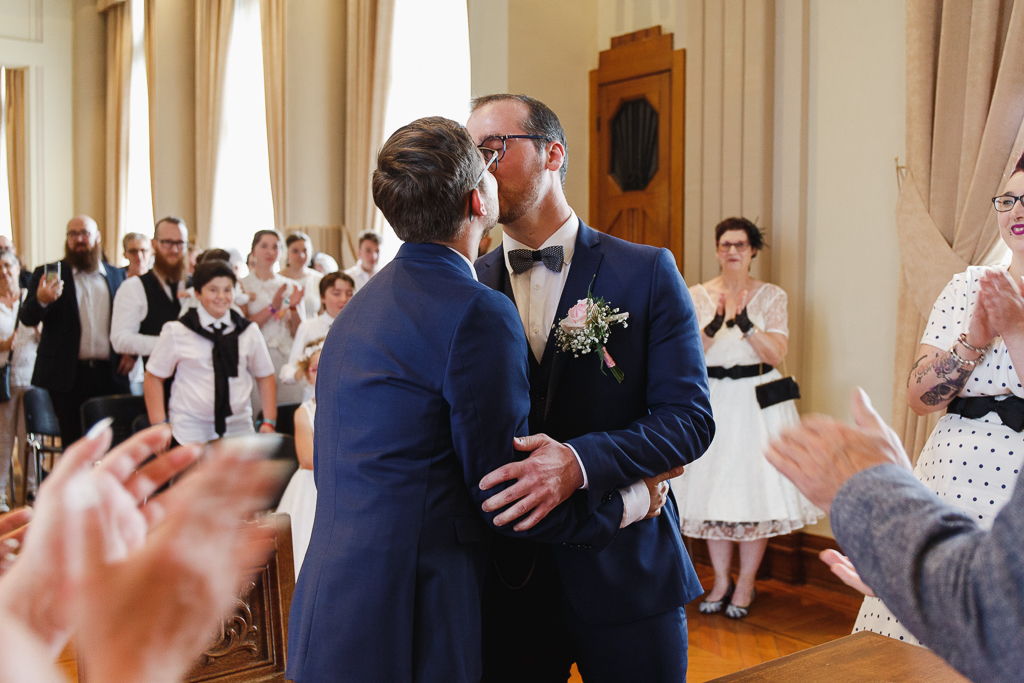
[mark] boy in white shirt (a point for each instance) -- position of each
(214, 355)
(335, 291)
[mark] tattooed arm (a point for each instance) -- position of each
(936, 378)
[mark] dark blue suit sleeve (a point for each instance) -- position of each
(960, 590)
(487, 387)
(32, 312)
(679, 426)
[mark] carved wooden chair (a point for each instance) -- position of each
(252, 646)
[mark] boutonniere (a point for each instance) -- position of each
(586, 328)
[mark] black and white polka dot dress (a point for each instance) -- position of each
(970, 464)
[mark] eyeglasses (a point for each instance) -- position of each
(138, 252)
(488, 162)
(741, 247)
(78, 234)
(494, 146)
(171, 244)
(1005, 202)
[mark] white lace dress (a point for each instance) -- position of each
(732, 492)
(299, 501)
(970, 464)
(275, 331)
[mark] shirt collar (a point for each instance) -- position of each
(469, 263)
(207, 320)
(326, 318)
(565, 237)
(99, 269)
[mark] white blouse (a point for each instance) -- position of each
(261, 294)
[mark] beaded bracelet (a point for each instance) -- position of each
(963, 362)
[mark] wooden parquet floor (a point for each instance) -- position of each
(784, 619)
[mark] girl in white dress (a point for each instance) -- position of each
(969, 351)
(275, 304)
(298, 251)
(299, 499)
(732, 496)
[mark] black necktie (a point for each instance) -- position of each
(225, 361)
(522, 260)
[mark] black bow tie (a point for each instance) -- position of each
(522, 260)
(1010, 410)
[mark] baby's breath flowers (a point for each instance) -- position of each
(586, 329)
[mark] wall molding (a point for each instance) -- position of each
(23, 20)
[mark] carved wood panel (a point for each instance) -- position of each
(252, 642)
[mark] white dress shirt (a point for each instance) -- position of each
(308, 331)
(93, 296)
(130, 308)
(359, 275)
(537, 292)
(188, 356)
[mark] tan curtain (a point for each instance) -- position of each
(119, 74)
(965, 109)
(366, 86)
(272, 22)
(213, 30)
(14, 125)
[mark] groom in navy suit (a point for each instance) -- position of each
(422, 388)
(619, 613)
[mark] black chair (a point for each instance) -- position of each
(139, 423)
(285, 418)
(124, 408)
(42, 432)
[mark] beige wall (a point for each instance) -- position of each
(552, 48)
(47, 54)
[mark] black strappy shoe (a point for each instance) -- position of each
(716, 606)
(738, 612)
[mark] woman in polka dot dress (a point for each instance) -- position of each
(970, 349)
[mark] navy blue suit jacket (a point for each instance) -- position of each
(57, 357)
(422, 386)
(659, 417)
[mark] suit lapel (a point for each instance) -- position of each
(494, 274)
(67, 274)
(586, 260)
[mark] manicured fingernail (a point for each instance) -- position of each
(98, 428)
(10, 557)
(12, 543)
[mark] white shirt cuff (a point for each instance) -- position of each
(586, 484)
(636, 503)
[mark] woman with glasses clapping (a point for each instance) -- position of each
(732, 496)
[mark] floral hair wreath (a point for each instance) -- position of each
(307, 353)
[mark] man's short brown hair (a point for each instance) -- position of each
(424, 173)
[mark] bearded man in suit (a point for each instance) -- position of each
(619, 613)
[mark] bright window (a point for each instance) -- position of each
(242, 201)
(5, 187)
(140, 187)
(429, 72)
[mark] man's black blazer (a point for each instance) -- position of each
(57, 357)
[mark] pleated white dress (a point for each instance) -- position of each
(732, 492)
(299, 501)
(970, 464)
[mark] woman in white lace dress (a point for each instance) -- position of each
(971, 346)
(732, 496)
(275, 304)
(299, 499)
(19, 343)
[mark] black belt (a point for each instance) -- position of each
(739, 371)
(1010, 410)
(93, 363)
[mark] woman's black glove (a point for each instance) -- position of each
(712, 328)
(742, 321)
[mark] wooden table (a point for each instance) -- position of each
(861, 658)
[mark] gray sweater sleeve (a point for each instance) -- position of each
(959, 589)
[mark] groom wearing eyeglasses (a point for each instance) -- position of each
(619, 613)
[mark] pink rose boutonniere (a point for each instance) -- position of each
(586, 328)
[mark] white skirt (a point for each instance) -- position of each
(299, 501)
(732, 492)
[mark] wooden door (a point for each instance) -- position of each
(636, 180)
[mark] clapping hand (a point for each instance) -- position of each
(13, 526)
(1000, 308)
(296, 297)
(278, 301)
(821, 454)
(842, 567)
